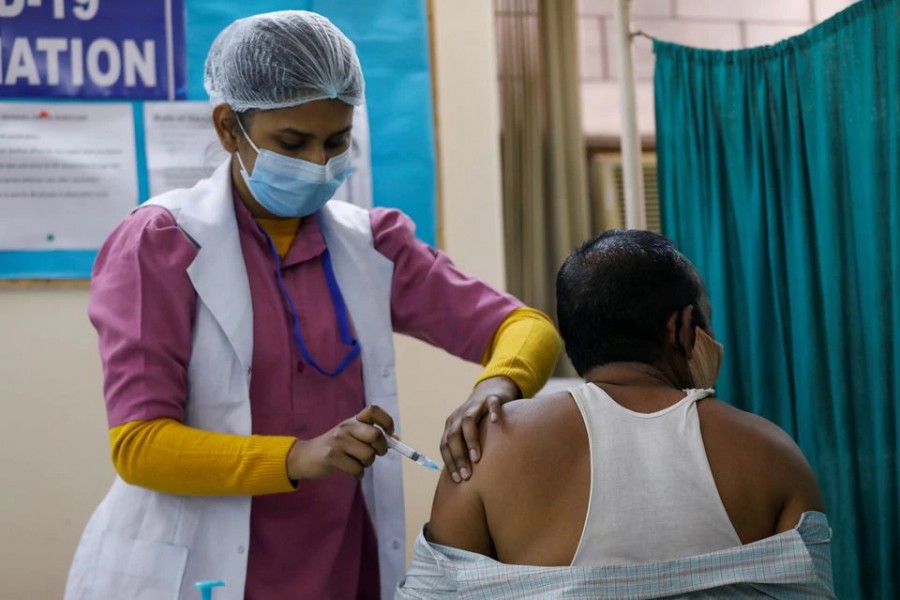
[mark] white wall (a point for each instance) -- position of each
(54, 463)
(722, 24)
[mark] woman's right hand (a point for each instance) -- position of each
(350, 447)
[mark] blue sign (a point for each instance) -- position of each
(123, 49)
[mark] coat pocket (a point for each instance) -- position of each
(137, 569)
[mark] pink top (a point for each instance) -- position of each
(309, 543)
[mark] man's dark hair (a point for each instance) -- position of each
(615, 293)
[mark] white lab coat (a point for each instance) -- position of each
(141, 544)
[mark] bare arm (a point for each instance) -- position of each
(762, 476)
(458, 513)
(535, 463)
(801, 491)
(458, 517)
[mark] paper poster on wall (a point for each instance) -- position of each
(67, 174)
(182, 148)
(92, 49)
(181, 144)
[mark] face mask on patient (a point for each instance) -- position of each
(706, 360)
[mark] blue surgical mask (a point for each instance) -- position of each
(293, 187)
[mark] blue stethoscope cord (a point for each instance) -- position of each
(340, 310)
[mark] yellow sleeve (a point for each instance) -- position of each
(169, 457)
(525, 348)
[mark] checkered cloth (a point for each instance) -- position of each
(792, 565)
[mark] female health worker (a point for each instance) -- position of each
(245, 330)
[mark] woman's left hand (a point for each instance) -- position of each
(459, 444)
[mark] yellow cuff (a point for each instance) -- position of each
(524, 348)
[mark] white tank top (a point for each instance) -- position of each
(653, 497)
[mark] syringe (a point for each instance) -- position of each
(395, 444)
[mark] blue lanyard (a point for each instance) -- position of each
(340, 309)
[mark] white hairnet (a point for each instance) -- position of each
(281, 59)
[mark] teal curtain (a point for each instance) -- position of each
(779, 175)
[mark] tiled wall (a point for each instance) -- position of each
(724, 24)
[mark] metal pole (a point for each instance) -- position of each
(635, 210)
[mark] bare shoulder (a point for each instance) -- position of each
(528, 426)
(763, 435)
(509, 450)
(527, 447)
(764, 454)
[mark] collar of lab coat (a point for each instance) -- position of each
(218, 272)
